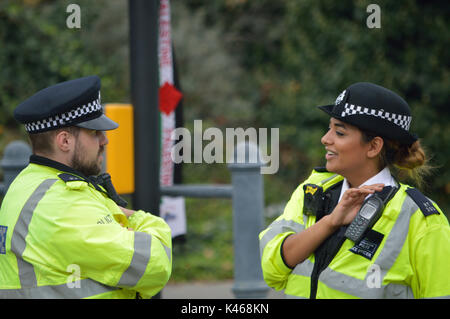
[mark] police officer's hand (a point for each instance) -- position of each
(351, 201)
(126, 211)
(297, 247)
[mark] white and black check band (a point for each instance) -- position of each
(64, 118)
(404, 121)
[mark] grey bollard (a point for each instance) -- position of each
(248, 222)
(16, 157)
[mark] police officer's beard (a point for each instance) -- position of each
(85, 166)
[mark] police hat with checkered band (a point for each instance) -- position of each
(71, 103)
(374, 109)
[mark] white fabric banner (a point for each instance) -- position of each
(172, 209)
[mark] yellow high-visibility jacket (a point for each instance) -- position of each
(64, 239)
(408, 258)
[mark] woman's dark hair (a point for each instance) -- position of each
(407, 161)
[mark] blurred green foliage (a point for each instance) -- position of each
(37, 49)
(207, 253)
(300, 54)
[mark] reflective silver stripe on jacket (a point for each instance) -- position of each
(287, 296)
(81, 289)
(278, 227)
(304, 268)
(328, 179)
(27, 276)
(359, 288)
(384, 261)
(139, 261)
(283, 225)
(168, 252)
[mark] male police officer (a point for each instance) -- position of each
(63, 236)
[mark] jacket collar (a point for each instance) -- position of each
(40, 160)
(383, 177)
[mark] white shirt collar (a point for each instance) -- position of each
(384, 177)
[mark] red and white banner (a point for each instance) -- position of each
(172, 209)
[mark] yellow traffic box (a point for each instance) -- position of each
(120, 149)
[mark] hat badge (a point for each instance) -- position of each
(340, 98)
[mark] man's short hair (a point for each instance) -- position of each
(43, 142)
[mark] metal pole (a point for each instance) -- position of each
(15, 158)
(198, 191)
(248, 222)
(143, 19)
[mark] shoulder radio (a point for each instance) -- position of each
(368, 214)
(105, 181)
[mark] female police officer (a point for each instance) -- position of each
(399, 244)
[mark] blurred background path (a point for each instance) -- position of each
(206, 290)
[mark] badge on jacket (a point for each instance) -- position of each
(425, 204)
(368, 246)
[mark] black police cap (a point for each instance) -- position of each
(71, 103)
(374, 109)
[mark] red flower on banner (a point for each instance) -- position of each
(169, 97)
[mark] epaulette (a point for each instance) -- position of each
(321, 169)
(70, 178)
(425, 204)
